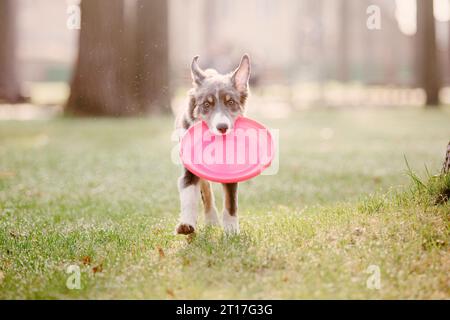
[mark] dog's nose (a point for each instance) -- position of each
(222, 127)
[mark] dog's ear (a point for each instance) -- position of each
(242, 74)
(192, 110)
(198, 75)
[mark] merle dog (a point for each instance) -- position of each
(217, 99)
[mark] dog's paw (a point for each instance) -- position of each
(211, 218)
(231, 224)
(184, 228)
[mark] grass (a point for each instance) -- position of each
(101, 194)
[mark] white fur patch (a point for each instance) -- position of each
(230, 223)
(218, 118)
(189, 198)
(211, 217)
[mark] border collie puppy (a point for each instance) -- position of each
(217, 99)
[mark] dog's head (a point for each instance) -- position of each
(219, 99)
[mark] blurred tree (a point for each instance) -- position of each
(9, 83)
(122, 67)
(427, 58)
(98, 82)
(344, 43)
(446, 164)
(151, 83)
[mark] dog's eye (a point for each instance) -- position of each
(206, 106)
(230, 103)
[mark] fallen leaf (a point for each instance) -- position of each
(161, 252)
(377, 179)
(6, 174)
(98, 268)
(170, 293)
(190, 237)
(86, 260)
(13, 234)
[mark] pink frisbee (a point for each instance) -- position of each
(239, 155)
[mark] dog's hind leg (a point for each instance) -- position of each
(189, 188)
(208, 203)
(230, 218)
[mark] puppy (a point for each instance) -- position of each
(217, 99)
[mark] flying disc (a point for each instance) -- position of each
(241, 154)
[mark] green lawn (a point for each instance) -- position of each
(101, 194)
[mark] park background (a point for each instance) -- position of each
(358, 89)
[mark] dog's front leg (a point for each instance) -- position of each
(189, 188)
(230, 217)
(209, 203)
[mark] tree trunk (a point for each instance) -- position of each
(343, 72)
(446, 164)
(151, 81)
(427, 59)
(97, 84)
(9, 83)
(448, 53)
(123, 66)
